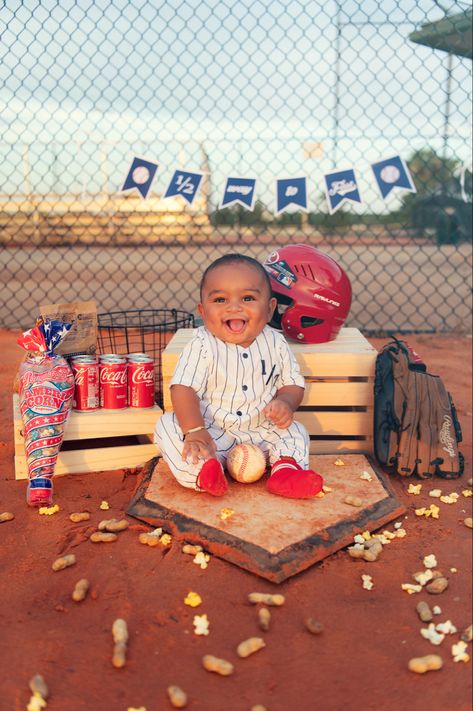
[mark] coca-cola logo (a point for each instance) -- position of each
(118, 377)
(79, 376)
(143, 375)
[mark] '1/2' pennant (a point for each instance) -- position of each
(185, 184)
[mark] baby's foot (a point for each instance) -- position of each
(39, 492)
(289, 480)
(212, 479)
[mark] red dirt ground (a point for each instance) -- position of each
(358, 662)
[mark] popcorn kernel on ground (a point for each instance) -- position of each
(431, 634)
(48, 510)
(449, 499)
(411, 588)
(193, 599)
(432, 511)
(459, 653)
(201, 625)
(36, 703)
(202, 559)
(226, 513)
(430, 561)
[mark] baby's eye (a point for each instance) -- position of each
(219, 300)
(248, 298)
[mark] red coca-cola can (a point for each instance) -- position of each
(140, 381)
(113, 384)
(86, 384)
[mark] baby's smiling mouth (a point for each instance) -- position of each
(235, 325)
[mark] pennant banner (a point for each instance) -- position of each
(140, 176)
(392, 173)
(341, 186)
(291, 191)
(185, 184)
(240, 191)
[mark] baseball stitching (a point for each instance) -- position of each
(244, 462)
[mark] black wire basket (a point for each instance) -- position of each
(141, 331)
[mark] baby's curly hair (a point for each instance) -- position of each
(236, 258)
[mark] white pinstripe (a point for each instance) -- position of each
(232, 413)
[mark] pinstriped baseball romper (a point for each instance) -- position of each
(234, 384)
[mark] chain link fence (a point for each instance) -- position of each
(234, 88)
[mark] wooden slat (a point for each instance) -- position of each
(337, 423)
(332, 394)
(167, 404)
(339, 446)
(349, 355)
(18, 436)
(329, 365)
(318, 394)
(100, 423)
(94, 460)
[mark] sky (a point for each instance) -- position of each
(85, 85)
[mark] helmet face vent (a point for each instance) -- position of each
(307, 321)
(305, 270)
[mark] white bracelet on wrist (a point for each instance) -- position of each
(194, 429)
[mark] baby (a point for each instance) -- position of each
(236, 381)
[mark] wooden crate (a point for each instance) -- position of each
(337, 409)
(97, 441)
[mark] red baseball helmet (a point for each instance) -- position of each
(313, 293)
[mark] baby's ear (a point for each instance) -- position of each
(271, 306)
(200, 309)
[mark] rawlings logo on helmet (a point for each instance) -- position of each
(327, 301)
(313, 293)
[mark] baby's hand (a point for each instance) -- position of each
(197, 446)
(279, 412)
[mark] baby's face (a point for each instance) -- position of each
(236, 303)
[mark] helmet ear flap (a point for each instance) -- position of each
(282, 305)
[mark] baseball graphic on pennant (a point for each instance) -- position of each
(141, 174)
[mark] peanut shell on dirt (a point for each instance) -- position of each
(437, 586)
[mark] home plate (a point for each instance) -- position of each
(266, 534)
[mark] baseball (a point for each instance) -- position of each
(246, 463)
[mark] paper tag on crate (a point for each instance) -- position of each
(82, 338)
